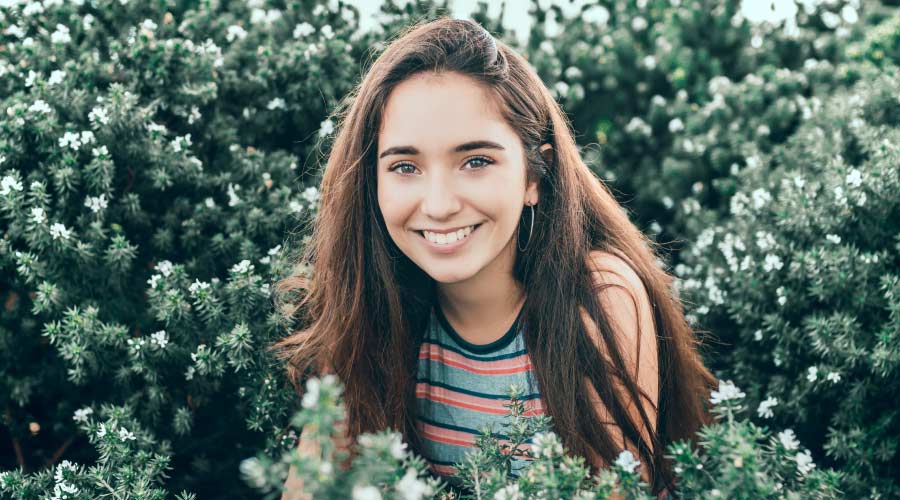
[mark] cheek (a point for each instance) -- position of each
(393, 202)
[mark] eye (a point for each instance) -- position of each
(487, 161)
(401, 165)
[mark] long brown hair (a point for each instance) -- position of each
(366, 303)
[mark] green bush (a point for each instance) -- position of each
(736, 459)
(158, 158)
(802, 279)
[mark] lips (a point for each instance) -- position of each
(448, 247)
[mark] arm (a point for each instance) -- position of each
(627, 302)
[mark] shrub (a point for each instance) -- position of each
(801, 282)
(737, 459)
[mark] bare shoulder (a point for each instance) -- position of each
(611, 269)
(623, 296)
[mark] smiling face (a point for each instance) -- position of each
(448, 160)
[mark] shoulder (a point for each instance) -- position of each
(623, 297)
(610, 269)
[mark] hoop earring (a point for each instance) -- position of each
(530, 231)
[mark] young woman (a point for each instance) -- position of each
(462, 245)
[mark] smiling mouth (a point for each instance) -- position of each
(474, 228)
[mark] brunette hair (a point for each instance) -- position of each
(366, 304)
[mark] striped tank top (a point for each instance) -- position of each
(461, 388)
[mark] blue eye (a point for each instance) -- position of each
(485, 160)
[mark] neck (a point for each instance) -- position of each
(482, 307)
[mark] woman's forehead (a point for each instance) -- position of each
(436, 114)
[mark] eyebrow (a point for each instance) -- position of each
(467, 146)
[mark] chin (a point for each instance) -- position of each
(446, 275)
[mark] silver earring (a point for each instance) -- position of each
(530, 230)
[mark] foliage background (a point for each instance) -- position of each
(159, 163)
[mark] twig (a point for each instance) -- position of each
(111, 491)
(59, 451)
(20, 457)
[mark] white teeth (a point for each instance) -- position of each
(445, 239)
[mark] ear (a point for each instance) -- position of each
(547, 152)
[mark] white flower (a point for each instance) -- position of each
(311, 194)
(727, 390)
(303, 29)
(195, 115)
(788, 439)
(799, 182)
(764, 240)
(757, 335)
(9, 184)
(235, 32)
(196, 286)
(812, 373)
(295, 206)
(765, 408)
(627, 461)
(561, 88)
(70, 139)
(189, 374)
(96, 203)
(277, 103)
(397, 447)
(56, 77)
(160, 338)
(596, 14)
(854, 178)
(311, 396)
(638, 24)
(176, 143)
(82, 414)
(839, 196)
(125, 435)
(209, 202)
(154, 280)
(327, 32)
(242, 267)
(833, 377)
(58, 230)
(99, 114)
(101, 431)
(510, 492)
(149, 25)
(804, 462)
(156, 128)
(40, 106)
(165, 267)
(760, 198)
(779, 292)
(772, 262)
(638, 125)
(61, 35)
(326, 127)
(546, 444)
(364, 492)
(37, 215)
(833, 238)
(233, 198)
(410, 487)
(676, 125)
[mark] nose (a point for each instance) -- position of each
(440, 199)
